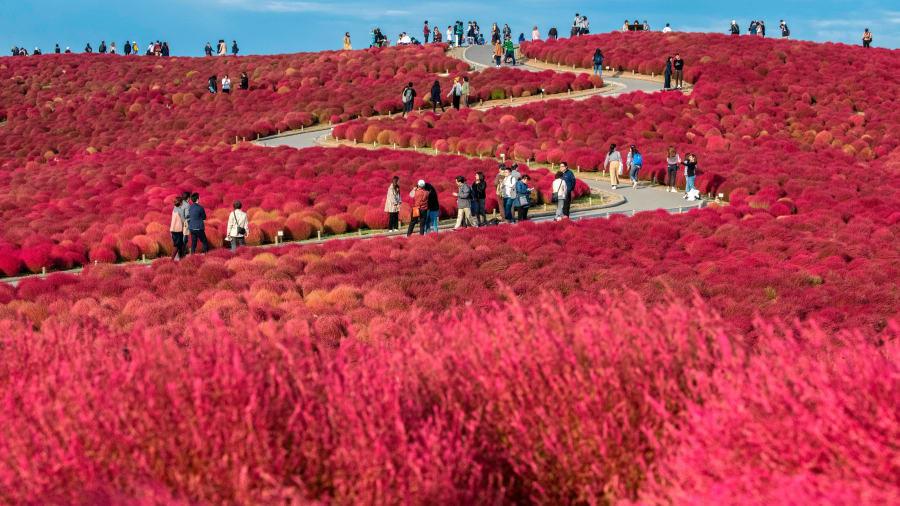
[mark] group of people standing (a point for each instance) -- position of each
(221, 48)
(188, 224)
(458, 95)
(212, 84)
(157, 48)
(634, 162)
(580, 26)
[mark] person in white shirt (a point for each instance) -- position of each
(535, 34)
(667, 29)
(112, 48)
(238, 226)
(226, 84)
(559, 193)
(450, 38)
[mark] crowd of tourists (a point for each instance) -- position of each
(459, 95)
(221, 48)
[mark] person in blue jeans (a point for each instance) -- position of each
(634, 163)
(511, 177)
(690, 173)
(197, 224)
(598, 62)
(434, 208)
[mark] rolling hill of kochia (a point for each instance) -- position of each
(743, 353)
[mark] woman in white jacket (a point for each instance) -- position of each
(559, 193)
(238, 226)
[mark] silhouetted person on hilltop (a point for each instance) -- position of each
(208, 49)
(867, 38)
(735, 29)
(165, 49)
(127, 48)
(88, 49)
(56, 49)
(234, 48)
(102, 47)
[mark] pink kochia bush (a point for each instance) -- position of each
(63, 105)
(519, 404)
(112, 206)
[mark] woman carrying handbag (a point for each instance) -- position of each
(238, 226)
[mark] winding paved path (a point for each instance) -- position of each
(644, 198)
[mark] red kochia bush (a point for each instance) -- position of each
(537, 405)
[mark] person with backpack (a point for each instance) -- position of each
(867, 38)
(408, 97)
(613, 164)
(177, 227)
(690, 174)
(559, 195)
(419, 209)
(598, 62)
(735, 29)
(455, 94)
(238, 226)
(678, 66)
(436, 97)
(673, 160)
(213, 85)
(479, 196)
(392, 204)
(523, 197)
(226, 84)
(197, 224)
(569, 178)
(463, 196)
(635, 162)
(785, 31)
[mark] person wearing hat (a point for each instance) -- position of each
(419, 208)
(735, 29)
(238, 226)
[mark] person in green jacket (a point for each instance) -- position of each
(510, 51)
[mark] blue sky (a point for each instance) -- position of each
(279, 26)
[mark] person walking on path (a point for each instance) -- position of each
(348, 45)
(667, 81)
(466, 90)
(569, 178)
(197, 224)
(867, 38)
(392, 204)
(455, 93)
(213, 85)
(408, 96)
(463, 196)
(690, 174)
(510, 178)
(635, 161)
(226, 84)
(613, 164)
(436, 97)
(238, 226)
(673, 160)
(426, 31)
(419, 209)
(434, 207)
(479, 195)
(678, 66)
(177, 227)
(523, 197)
(598, 62)
(559, 195)
(498, 53)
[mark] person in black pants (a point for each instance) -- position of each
(678, 65)
(196, 224)
(569, 178)
(436, 96)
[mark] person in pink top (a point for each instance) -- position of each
(178, 227)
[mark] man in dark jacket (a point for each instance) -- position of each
(197, 224)
(56, 49)
(434, 207)
(234, 48)
(569, 178)
(408, 96)
(102, 47)
(127, 48)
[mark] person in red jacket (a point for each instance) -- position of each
(419, 209)
(426, 31)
